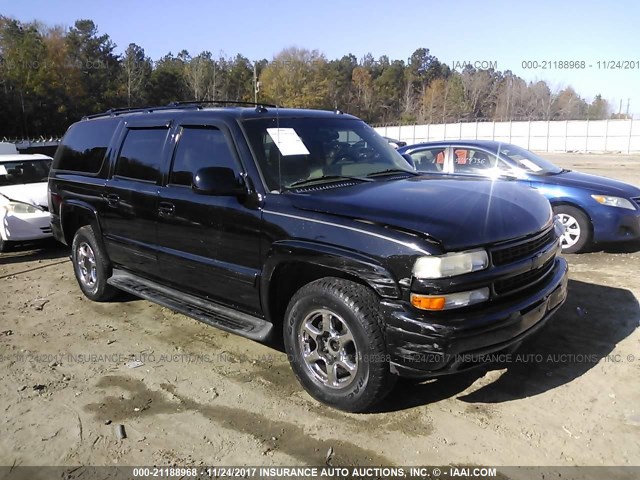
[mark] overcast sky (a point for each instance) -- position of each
(505, 32)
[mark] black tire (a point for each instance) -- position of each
(91, 266)
(578, 237)
(352, 311)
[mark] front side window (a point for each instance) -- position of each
(199, 147)
(141, 154)
(294, 150)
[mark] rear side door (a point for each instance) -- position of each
(131, 197)
(208, 245)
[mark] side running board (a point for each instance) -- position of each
(208, 312)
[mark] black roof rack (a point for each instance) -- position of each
(195, 104)
(223, 102)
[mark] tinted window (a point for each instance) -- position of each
(429, 160)
(198, 148)
(84, 146)
(469, 160)
(141, 154)
(24, 171)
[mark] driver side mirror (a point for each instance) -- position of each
(219, 181)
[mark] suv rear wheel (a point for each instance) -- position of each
(335, 345)
(91, 266)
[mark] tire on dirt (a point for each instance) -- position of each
(101, 291)
(358, 307)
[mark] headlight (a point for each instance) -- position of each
(449, 300)
(450, 264)
(19, 207)
(614, 201)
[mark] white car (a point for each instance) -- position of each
(24, 212)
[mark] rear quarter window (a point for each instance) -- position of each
(84, 146)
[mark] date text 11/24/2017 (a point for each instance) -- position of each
(580, 65)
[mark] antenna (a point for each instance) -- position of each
(279, 151)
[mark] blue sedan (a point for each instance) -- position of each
(592, 209)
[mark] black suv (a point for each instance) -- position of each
(307, 224)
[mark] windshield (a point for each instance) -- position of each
(295, 151)
(527, 160)
(24, 171)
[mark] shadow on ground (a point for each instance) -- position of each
(618, 247)
(594, 319)
(29, 252)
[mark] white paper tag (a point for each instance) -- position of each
(287, 141)
(530, 165)
(3, 171)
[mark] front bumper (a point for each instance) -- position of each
(612, 224)
(421, 346)
(22, 227)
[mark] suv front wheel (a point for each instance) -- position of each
(91, 266)
(335, 345)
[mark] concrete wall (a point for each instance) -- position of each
(563, 136)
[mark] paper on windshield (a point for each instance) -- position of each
(287, 141)
(3, 171)
(530, 165)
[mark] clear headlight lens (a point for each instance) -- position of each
(449, 300)
(614, 201)
(19, 207)
(450, 264)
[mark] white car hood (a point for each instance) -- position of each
(33, 193)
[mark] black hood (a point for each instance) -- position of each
(460, 213)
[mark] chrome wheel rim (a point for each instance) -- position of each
(571, 230)
(328, 349)
(86, 265)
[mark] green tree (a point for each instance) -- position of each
(93, 55)
(166, 83)
(135, 76)
(296, 78)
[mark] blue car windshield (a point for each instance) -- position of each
(527, 160)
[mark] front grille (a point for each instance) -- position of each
(45, 229)
(522, 281)
(520, 250)
(637, 200)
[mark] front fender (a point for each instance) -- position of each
(328, 257)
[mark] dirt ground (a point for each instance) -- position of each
(205, 397)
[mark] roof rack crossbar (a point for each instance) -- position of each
(224, 102)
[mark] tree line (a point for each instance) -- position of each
(51, 77)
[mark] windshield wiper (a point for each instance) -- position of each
(391, 171)
(327, 178)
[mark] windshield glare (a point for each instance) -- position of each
(527, 160)
(24, 171)
(291, 150)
